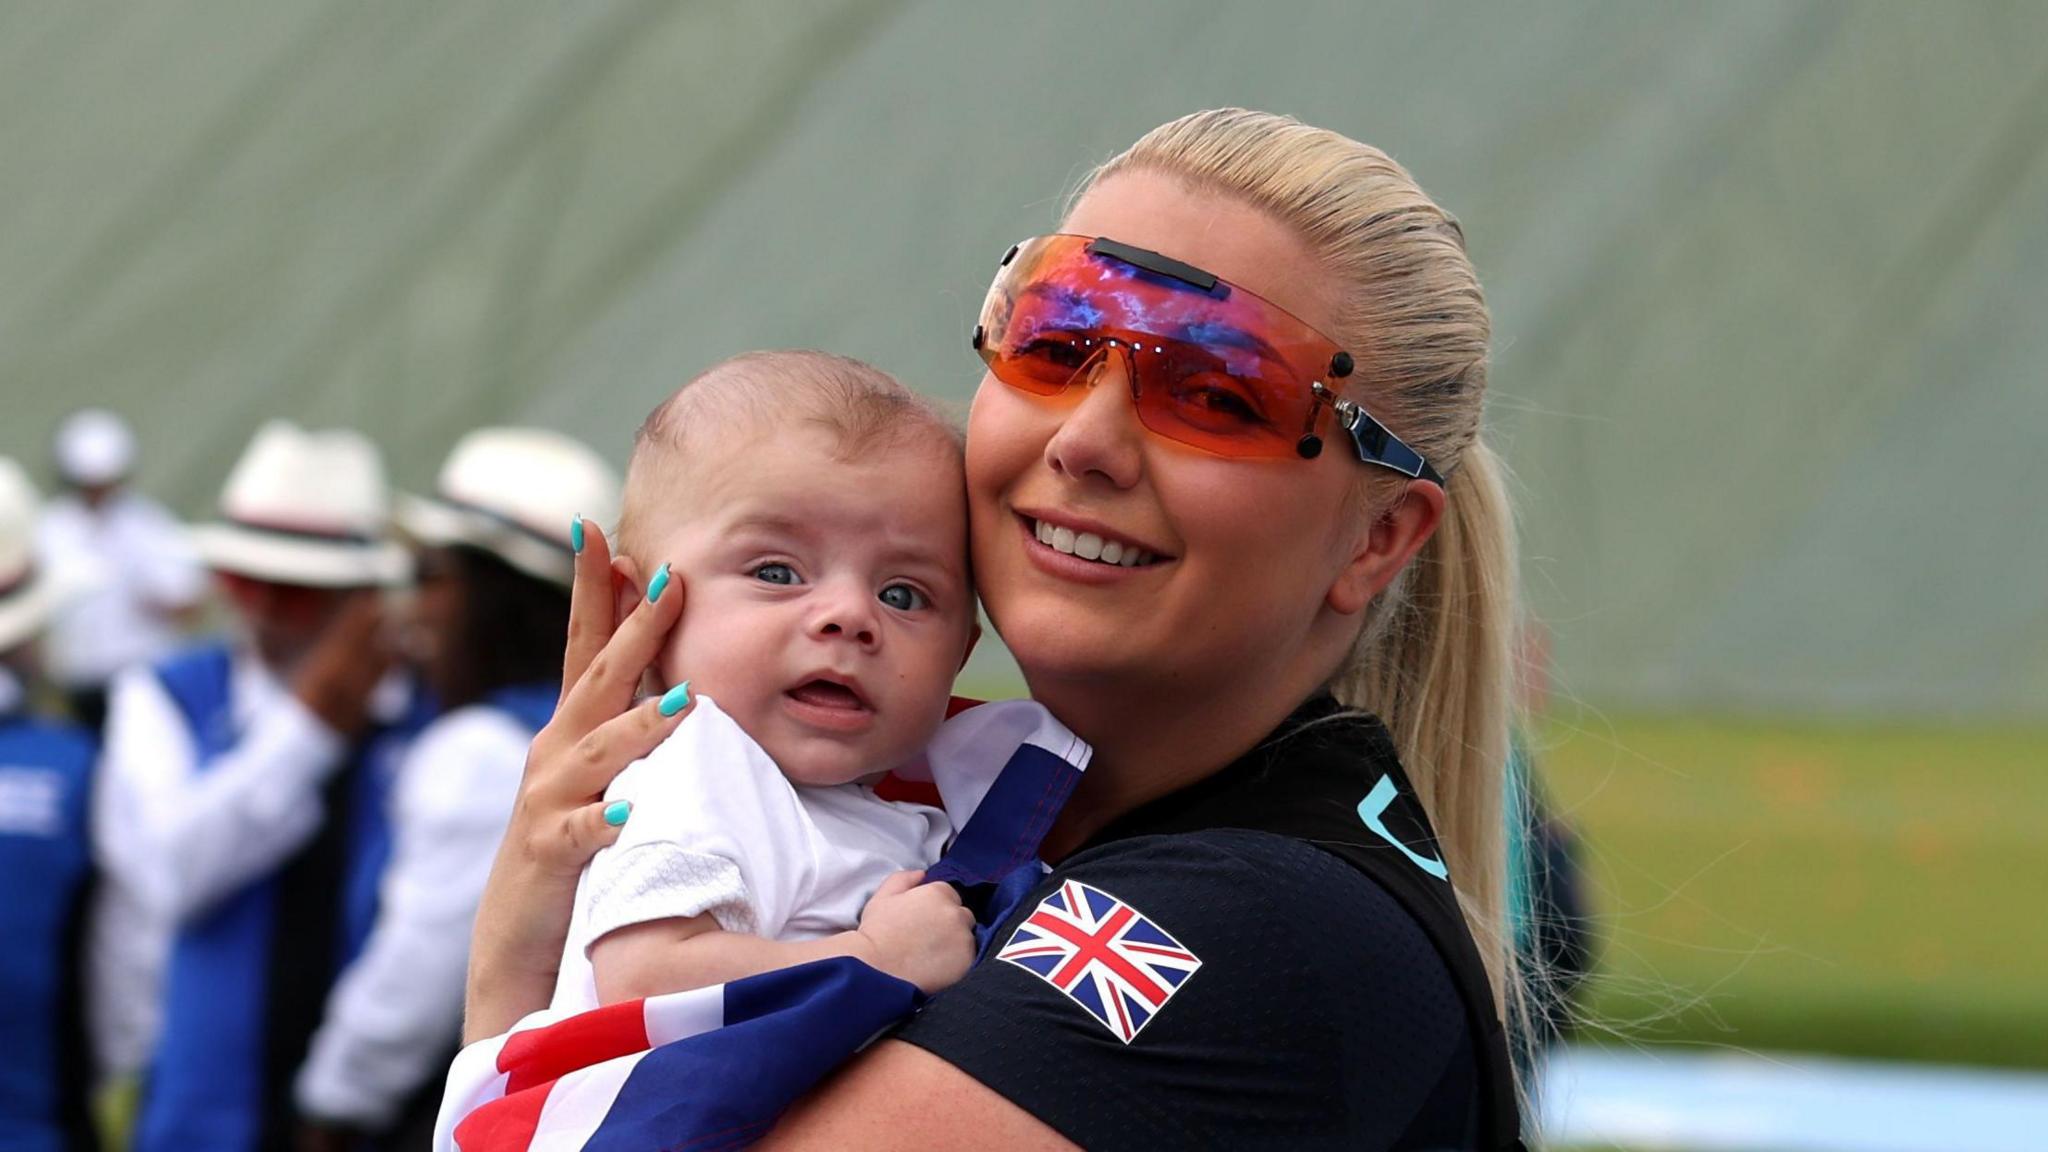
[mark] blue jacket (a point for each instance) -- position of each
(247, 981)
(45, 780)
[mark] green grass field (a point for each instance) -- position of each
(1870, 891)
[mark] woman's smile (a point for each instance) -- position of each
(1089, 540)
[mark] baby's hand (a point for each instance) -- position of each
(919, 932)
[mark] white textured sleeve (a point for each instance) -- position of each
(186, 839)
(397, 1009)
(715, 828)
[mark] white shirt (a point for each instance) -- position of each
(397, 1010)
(129, 566)
(172, 842)
(717, 829)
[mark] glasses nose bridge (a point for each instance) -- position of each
(1113, 349)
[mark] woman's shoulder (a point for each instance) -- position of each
(1216, 987)
(1254, 891)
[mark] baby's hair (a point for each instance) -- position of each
(860, 408)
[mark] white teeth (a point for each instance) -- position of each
(1089, 546)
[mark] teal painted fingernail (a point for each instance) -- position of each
(576, 534)
(615, 813)
(675, 699)
(656, 586)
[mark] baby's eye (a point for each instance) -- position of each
(904, 598)
(772, 573)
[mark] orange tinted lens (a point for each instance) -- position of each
(1216, 367)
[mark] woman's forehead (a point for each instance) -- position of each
(1215, 233)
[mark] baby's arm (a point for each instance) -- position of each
(913, 931)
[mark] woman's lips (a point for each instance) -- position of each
(1091, 541)
(1067, 562)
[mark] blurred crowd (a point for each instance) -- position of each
(253, 774)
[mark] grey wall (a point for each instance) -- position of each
(1768, 278)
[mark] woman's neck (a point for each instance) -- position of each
(1153, 740)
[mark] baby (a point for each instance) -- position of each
(813, 509)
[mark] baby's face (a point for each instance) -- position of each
(828, 604)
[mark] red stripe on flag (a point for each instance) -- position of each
(539, 1055)
(955, 705)
(896, 790)
(504, 1125)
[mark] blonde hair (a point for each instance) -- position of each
(861, 408)
(1433, 658)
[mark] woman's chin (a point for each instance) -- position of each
(1052, 646)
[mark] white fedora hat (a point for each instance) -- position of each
(306, 508)
(514, 492)
(27, 594)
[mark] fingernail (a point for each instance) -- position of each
(656, 586)
(675, 699)
(615, 813)
(576, 534)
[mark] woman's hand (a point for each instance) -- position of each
(560, 820)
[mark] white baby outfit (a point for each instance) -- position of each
(717, 828)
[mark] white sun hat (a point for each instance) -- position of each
(92, 447)
(308, 508)
(514, 492)
(27, 594)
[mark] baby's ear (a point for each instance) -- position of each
(973, 638)
(627, 587)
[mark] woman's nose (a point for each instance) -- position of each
(1101, 435)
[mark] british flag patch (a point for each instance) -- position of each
(1102, 954)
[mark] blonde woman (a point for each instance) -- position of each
(1233, 513)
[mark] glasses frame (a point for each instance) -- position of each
(1371, 441)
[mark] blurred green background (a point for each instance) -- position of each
(1767, 281)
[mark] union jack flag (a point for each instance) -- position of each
(1103, 954)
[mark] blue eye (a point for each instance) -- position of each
(904, 598)
(776, 574)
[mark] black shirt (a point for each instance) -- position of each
(1317, 1013)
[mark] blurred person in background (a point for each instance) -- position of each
(495, 557)
(138, 582)
(45, 775)
(244, 787)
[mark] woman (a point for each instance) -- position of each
(1263, 381)
(494, 564)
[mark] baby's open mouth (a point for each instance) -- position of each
(826, 694)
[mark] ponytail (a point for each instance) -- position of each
(1433, 664)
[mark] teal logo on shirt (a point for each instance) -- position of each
(1373, 811)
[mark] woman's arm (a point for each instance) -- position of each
(899, 1096)
(558, 821)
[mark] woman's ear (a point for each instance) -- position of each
(627, 587)
(1386, 546)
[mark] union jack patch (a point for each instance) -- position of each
(1102, 954)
